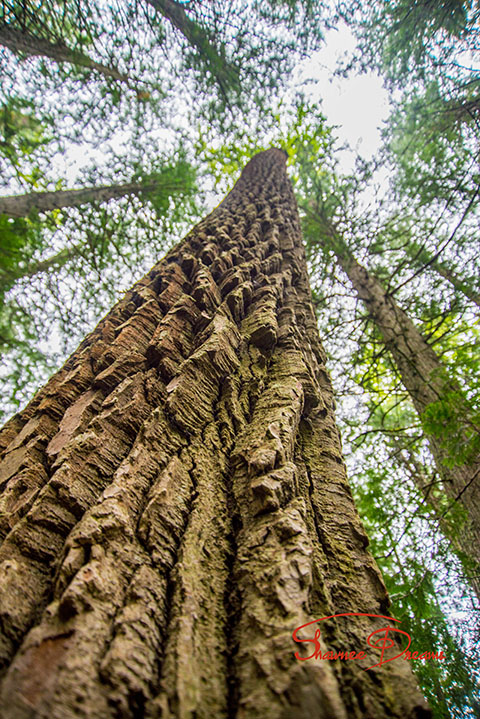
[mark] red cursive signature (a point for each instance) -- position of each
(378, 639)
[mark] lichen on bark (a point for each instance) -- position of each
(174, 501)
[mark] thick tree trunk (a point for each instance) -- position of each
(22, 205)
(31, 45)
(174, 501)
(426, 382)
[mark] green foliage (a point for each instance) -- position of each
(401, 525)
(406, 41)
(21, 132)
(20, 238)
(166, 181)
(426, 52)
(220, 55)
(297, 126)
(433, 140)
(453, 423)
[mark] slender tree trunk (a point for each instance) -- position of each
(23, 43)
(224, 72)
(60, 259)
(174, 501)
(422, 257)
(461, 286)
(426, 382)
(22, 205)
(53, 262)
(429, 486)
(193, 33)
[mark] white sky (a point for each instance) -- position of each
(357, 105)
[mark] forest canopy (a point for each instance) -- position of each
(122, 124)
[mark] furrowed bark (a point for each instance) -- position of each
(426, 382)
(175, 504)
(22, 205)
(31, 45)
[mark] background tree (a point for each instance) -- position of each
(418, 571)
(449, 421)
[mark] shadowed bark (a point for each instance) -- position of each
(426, 381)
(31, 45)
(174, 501)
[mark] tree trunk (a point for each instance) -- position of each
(55, 261)
(22, 205)
(423, 258)
(178, 18)
(174, 501)
(426, 382)
(197, 37)
(23, 43)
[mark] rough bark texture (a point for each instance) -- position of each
(24, 43)
(174, 501)
(425, 380)
(22, 205)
